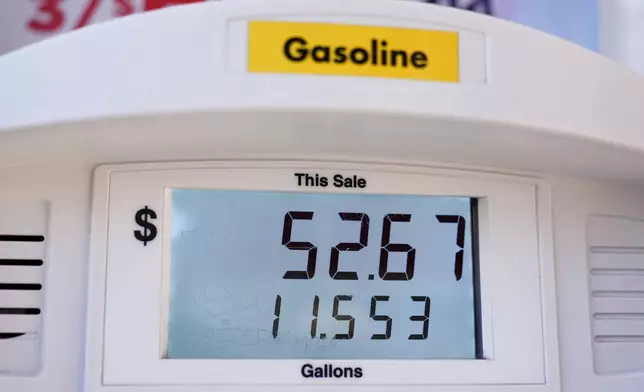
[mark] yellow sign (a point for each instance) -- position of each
(353, 50)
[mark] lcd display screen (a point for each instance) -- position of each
(278, 275)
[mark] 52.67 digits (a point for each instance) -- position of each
(335, 272)
(385, 246)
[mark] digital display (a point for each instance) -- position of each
(277, 275)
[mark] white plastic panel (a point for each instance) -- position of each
(540, 82)
(551, 88)
(616, 268)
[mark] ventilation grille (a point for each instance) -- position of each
(616, 268)
(22, 263)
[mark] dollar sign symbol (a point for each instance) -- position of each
(149, 232)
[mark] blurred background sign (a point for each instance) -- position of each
(574, 20)
(26, 21)
(612, 27)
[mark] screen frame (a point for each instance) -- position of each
(512, 326)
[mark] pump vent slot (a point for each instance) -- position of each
(616, 277)
(23, 227)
